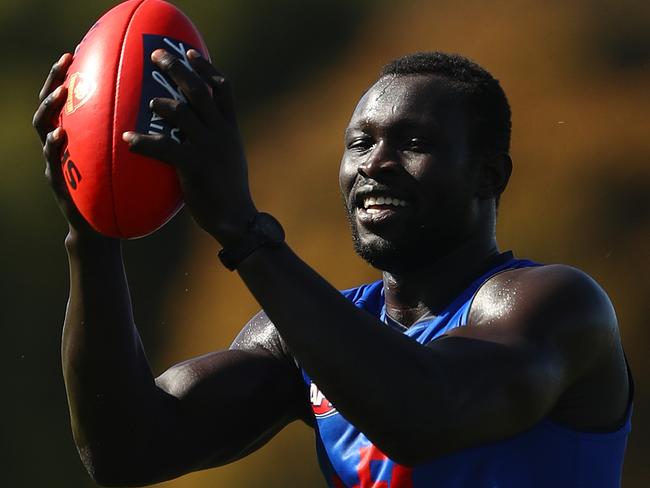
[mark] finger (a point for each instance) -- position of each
(157, 146)
(56, 76)
(54, 173)
(180, 115)
(47, 111)
(189, 82)
(221, 89)
(52, 151)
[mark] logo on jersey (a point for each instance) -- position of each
(80, 88)
(320, 405)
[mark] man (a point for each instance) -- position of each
(463, 367)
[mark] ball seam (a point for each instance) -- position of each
(115, 140)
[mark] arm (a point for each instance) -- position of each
(129, 427)
(506, 370)
(484, 382)
(133, 429)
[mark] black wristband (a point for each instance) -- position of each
(263, 230)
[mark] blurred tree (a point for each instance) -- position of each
(265, 47)
(577, 76)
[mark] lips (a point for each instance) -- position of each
(372, 203)
(380, 215)
(375, 207)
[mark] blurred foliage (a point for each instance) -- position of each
(576, 73)
(265, 47)
(617, 35)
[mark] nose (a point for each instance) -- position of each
(380, 163)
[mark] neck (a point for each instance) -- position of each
(431, 287)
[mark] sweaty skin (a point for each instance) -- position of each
(540, 342)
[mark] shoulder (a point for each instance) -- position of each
(261, 339)
(260, 335)
(533, 290)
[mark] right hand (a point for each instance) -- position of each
(211, 162)
(52, 97)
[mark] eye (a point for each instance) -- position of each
(360, 144)
(418, 145)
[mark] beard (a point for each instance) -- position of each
(417, 245)
(384, 254)
(399, 254)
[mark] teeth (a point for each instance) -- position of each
(371, 201)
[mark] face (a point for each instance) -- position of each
(407, 178)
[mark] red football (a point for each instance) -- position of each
(110, 83)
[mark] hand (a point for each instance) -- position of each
(52, 97)
(210, 163)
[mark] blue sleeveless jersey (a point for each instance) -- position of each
(546, 455)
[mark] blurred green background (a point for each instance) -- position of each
(577, 75)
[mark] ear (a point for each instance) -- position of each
(495, 172)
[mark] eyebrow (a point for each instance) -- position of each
(401, 125)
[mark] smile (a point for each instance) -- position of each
(374, 205)
(373, 211)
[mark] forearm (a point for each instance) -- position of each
(108, 380)
(361, 365)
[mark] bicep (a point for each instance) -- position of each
(493, 389)
(224, 405)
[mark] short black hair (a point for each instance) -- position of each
(490, 110)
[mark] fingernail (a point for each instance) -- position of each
(57, 92)
(57, 133)
(152, 102)
(62, 58)
(157, 54)
(193, 54)
(128, 137)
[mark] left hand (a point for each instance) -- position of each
(210, 163)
